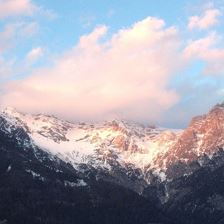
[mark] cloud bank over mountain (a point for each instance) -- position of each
(136, 72)
(126, 74)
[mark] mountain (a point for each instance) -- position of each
(114, 167)
(124, 150)
(39, 187)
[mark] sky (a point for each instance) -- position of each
(151, 61)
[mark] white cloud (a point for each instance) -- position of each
(35, 54)
(16, 7)
(126, 75)
(208, 19)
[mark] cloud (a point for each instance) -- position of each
(125, 75)
(28, 29)
(34, 54)
(206, 50)
(16, 8)
(196, 99)
(11, 8)
(12, 35)
(5, 68)
(208, 19)
(13, 32)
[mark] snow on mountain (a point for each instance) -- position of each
(98, 144)
(124, 143)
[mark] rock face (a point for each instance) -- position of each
(204, 136)
(175, 169)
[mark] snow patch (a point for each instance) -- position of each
(9, 168)
(80, 183)
(36, 175)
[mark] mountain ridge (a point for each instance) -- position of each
(164, 167)
(131, 143)
(124, 143)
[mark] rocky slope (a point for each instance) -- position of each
(203, 138)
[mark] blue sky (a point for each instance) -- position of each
(53, 41)
(71, 20)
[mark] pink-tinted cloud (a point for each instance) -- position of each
(126, 75)
(208, 19)
(5, 68)
(206, 50)
(12, 32)
(35, 54)
(16, 7)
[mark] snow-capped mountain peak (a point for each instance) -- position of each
(122, 143)
(99, 144)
